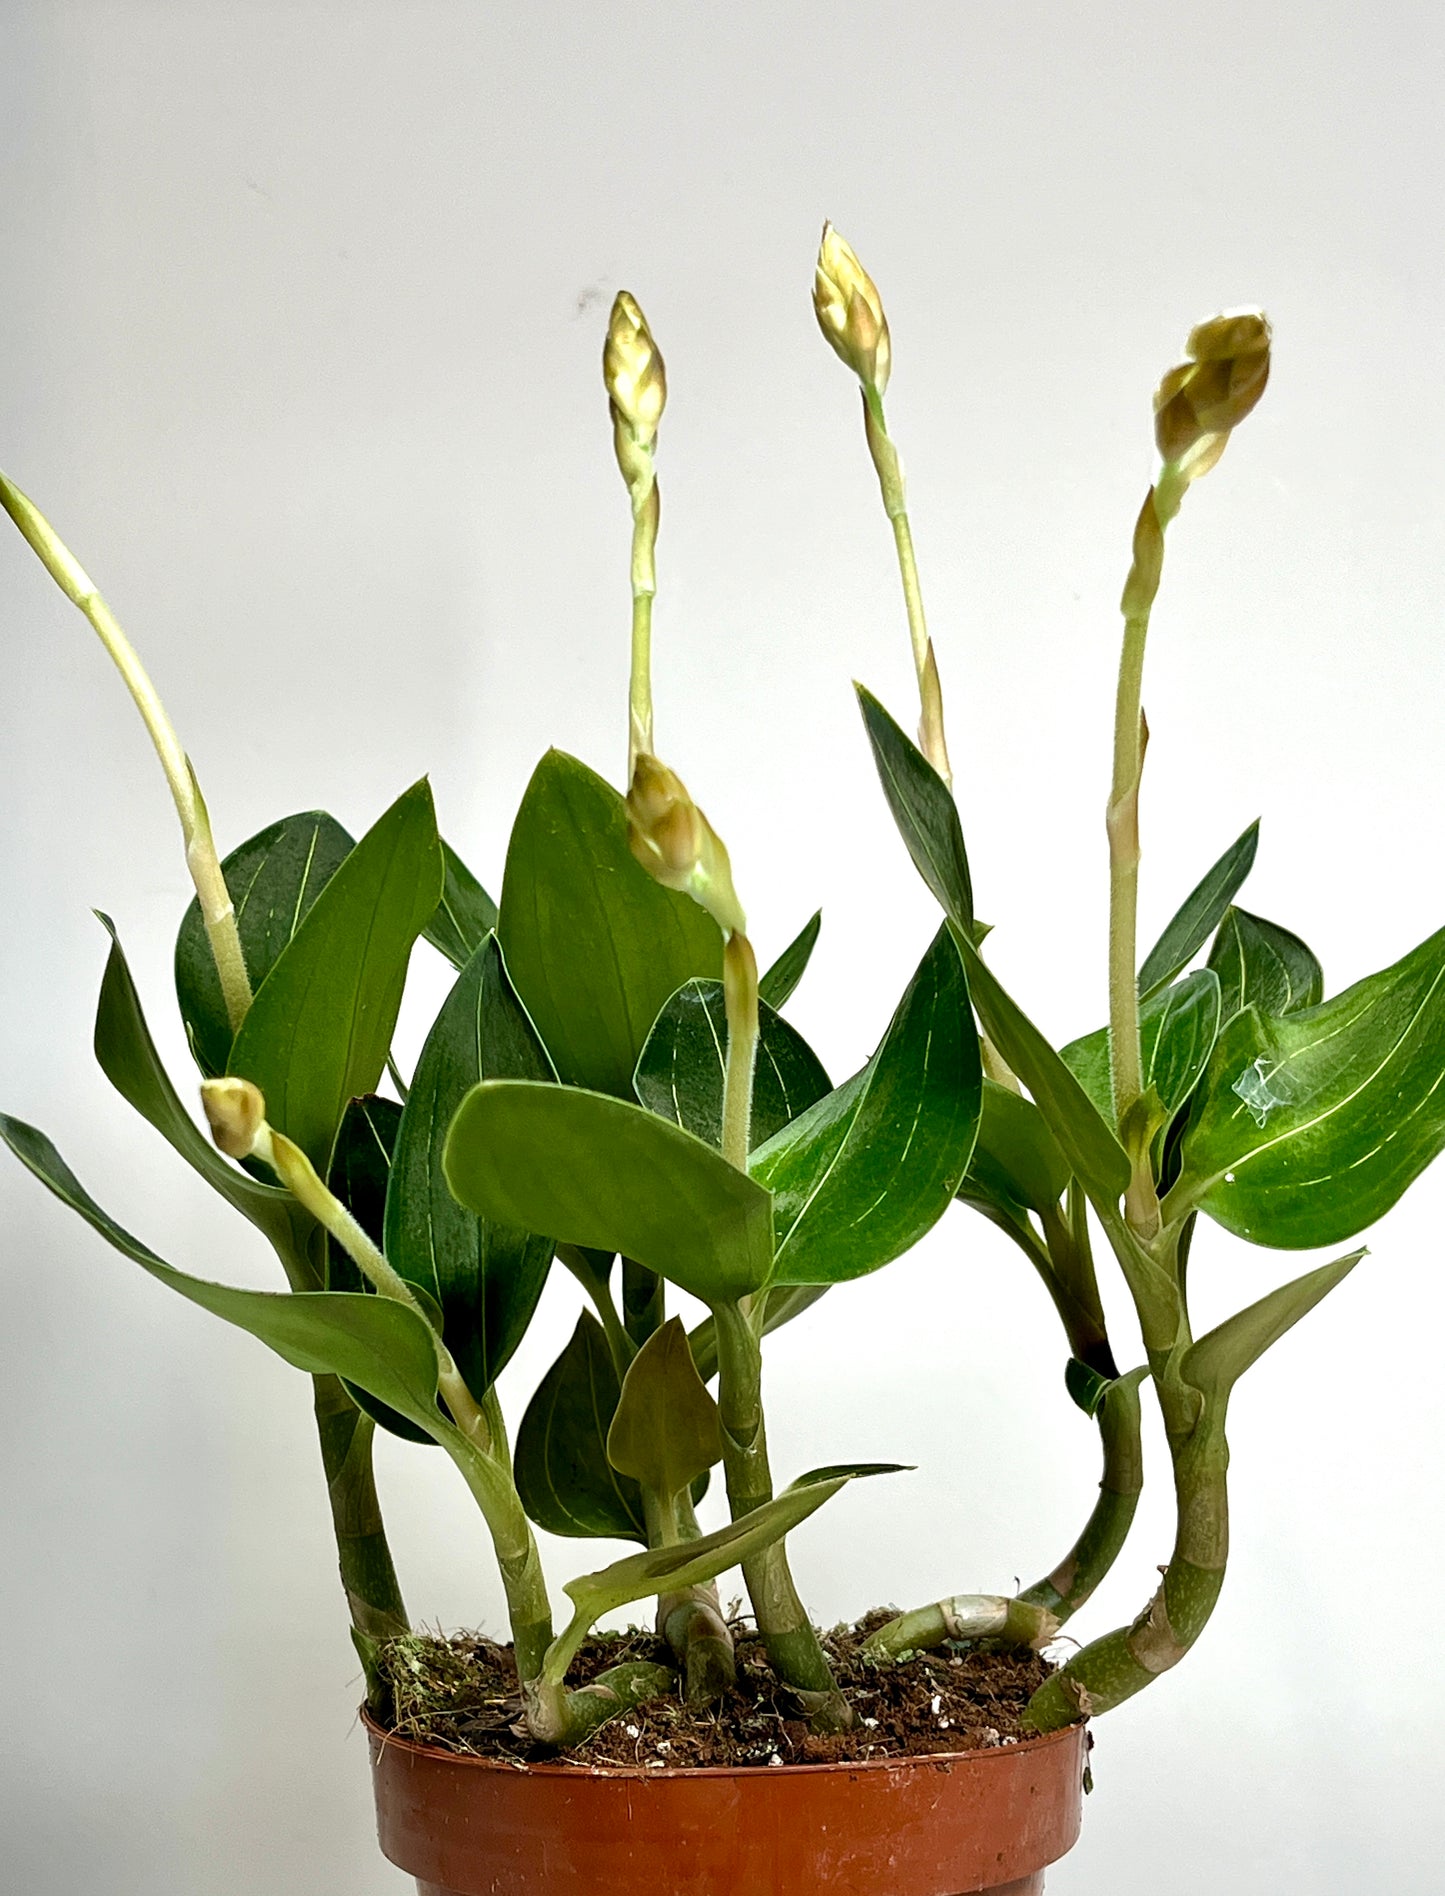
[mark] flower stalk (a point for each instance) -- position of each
(636, 382)
(202, 860)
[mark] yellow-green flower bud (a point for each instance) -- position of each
(1199, 402)
(236, 1112)
(850, 312)
(636, 380)
(677, 846)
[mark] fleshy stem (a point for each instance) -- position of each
(1161, 504)
(895, 503)
(475, 1437)
(1079, 1573)
(202, 860)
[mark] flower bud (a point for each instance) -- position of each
(1199, 402)
(677, 846)
(850, 312)
(236, 1112)
(636, 380)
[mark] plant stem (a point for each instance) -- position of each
(1161, 504)
(599, 1290)
(645, 517)
(740, 1001)
(202, 861)
(966, 1616)
(373, 1594)
(794, 1648)
(895, 502)
(1078, 1575)
(644, 1302)
(691, 1620)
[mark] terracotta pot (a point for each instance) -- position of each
(944, 1826)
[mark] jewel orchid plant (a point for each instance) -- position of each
(610, 1085)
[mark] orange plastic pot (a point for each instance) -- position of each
(946, 1826)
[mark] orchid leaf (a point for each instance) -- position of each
(587, 1169)
(1262, 965)
(566, 1482)
(1308, 1129)
(666, 1430)
(486, 1275)
(380, 1345)
(321, 1022)
(466, 914)
(1216, 1362)
(273, 879)
(863, 1174)
(594, 946)
(1177, 1029)
(1200, 914)
(777, 983)
(681, 1070)
(924, 810)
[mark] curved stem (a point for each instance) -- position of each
(1079, 1573)
(202, 861)
(1016, 1622)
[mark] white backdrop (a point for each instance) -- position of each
(300, 338)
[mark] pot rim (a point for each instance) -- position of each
(661, 1774)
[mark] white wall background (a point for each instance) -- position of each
(300, 337)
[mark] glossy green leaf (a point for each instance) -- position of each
(1216, 1362)
(129, 1060)
(466, 914)
(566, 1482)
(1088, 1144)
(321, 1022)
(594, 946)
(666, 1430)
(1015, 1158)
(865, 1172)
(1262, 965)
(274, 879)
(1177, 1028)
(1200, 913)
(591, 1170)
(1308, 1129)
(360, 1171)
(486, 1275)
(381, 1345)
(924, 810)
(928, 822)
(681, 1069)
(692, 1563)
(777, 984)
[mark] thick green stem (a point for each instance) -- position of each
(895, 504)
(1068, 1270)
(740, 1001)
(1078, 1575)
(373, 1594)
(793, 1646)
(1017, 1622)
(690, 1620)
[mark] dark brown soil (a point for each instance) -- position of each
(461, 1695)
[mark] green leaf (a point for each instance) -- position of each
(668, 1569)
(591, 1170)
(666, 1430)
(1308, 1129)
(924, 810)
(380, 1345)
(1200, 914)
(321, 1022)
(129, 1060)
(593, 944)
(1086, 1386)
(566, 1482)
(927, 820)
(1262, 965)
(1015, 1158)
(1216, 1362)
(1177, 1029)
(466, 914)
(865, 1172)
(486, 1275)
(1089, 1147)
(273, 879)
(681, 1069)
(360, 1171)
(776, 986)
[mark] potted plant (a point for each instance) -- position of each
(612, 1087)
